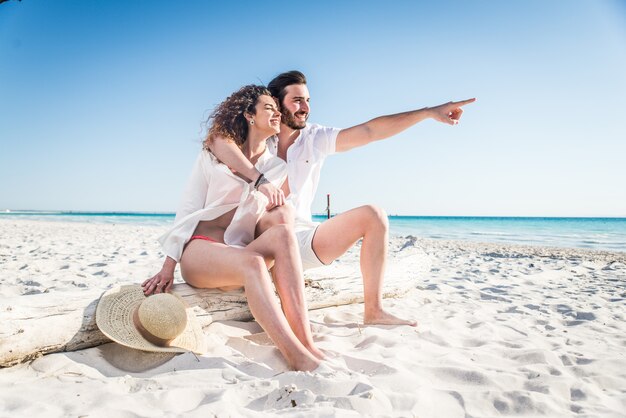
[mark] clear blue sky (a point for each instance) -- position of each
(101, 102)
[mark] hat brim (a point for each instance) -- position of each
(114, 317)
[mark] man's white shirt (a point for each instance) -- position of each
(305, 158)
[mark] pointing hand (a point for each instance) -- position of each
(450, 112)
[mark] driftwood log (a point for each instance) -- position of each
(35, 325)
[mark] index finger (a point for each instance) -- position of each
(464, 102)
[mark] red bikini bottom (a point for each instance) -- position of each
(204, 237)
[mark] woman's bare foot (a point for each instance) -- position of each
(306, 364)
(319, 354)
(381, 317)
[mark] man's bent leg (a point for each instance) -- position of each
(335, 236)
(277, 216)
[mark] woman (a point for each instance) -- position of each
(221, 208)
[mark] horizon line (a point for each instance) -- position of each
(395, 215)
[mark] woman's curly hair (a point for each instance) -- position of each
(228, 121)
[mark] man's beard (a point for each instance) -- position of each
(289, 119)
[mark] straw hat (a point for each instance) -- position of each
(159, 323)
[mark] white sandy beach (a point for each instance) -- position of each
(503, 330)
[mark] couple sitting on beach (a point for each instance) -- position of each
(247, 209)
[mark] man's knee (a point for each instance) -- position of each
(282, 215)
(376, 216)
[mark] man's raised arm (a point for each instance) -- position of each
(385, 126)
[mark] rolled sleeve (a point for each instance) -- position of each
(326, 139)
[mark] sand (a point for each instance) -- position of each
(503, 330)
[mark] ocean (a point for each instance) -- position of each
(593, 233)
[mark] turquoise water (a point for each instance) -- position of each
(594, 233)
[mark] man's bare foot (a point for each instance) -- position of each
(382, 317)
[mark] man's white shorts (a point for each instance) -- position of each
(305, 240)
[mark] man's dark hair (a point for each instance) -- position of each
(278, 85)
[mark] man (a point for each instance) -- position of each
(305, 147)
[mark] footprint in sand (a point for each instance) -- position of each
(461, 376)
(564, 310)
(485, 296)
(535, 387)
(585, 316)
(31, 283)
(577, 395)
(471, 343)
(512, 310)
(517, 403)
(565, 359)
(582, 361)
(368, 367)
(581, 318)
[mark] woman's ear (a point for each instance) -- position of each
(249, 117)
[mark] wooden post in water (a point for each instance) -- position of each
(328, 205)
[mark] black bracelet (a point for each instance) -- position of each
(261, 180)
(256, 183)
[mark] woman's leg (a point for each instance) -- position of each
(211, 265)
(279, 243)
